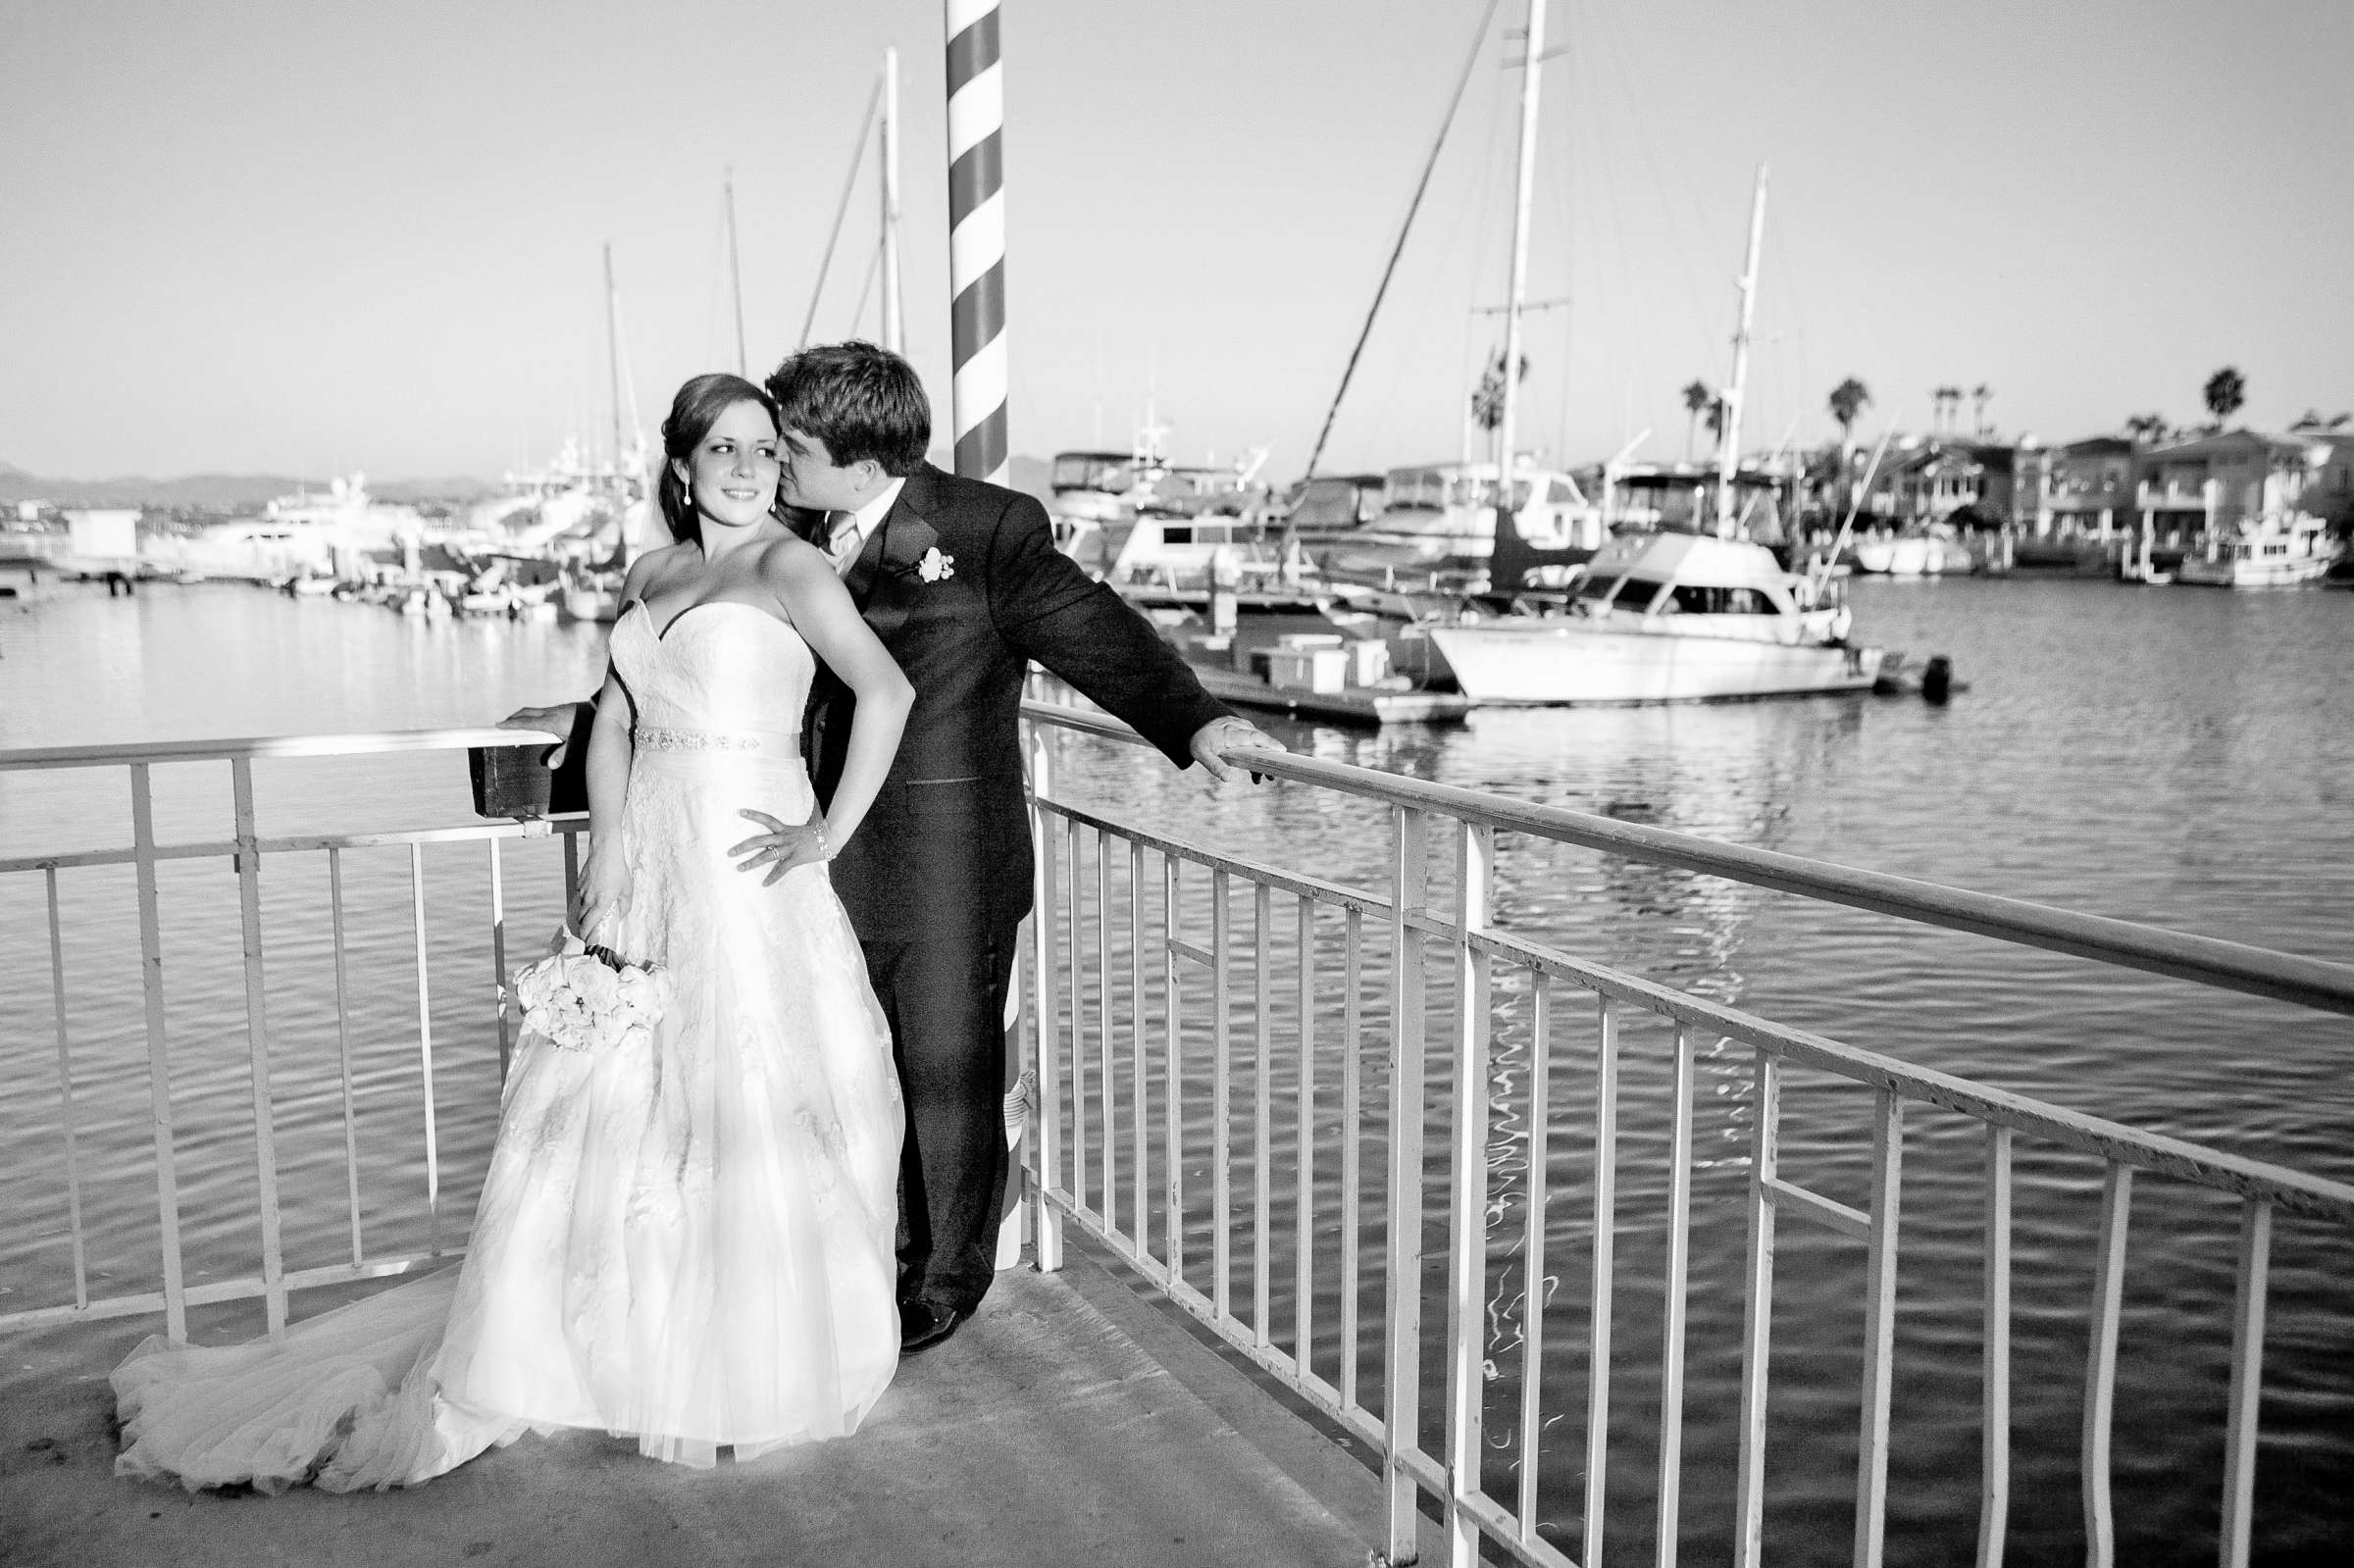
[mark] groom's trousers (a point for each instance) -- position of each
(945, 996)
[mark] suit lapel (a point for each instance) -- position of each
(885, 578)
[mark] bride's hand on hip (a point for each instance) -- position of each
(785, 845)
(603, 893)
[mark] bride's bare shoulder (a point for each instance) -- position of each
(793, 562)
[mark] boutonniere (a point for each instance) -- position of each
(934, 565)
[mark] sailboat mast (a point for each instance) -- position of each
(736, 276)
(1729, 450)
(613, 351)
(1508, 431)
(894, 329)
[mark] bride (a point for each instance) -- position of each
(688, 1239)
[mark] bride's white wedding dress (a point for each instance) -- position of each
(692, 1243)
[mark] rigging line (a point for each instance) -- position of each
(849, 184)
(873, 267)
(1462, 79)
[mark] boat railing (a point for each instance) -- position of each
(1305, 1013)
(1305, 1110)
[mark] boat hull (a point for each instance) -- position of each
(2295, 571)
(1571, 662)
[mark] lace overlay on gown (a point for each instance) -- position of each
(689, 1242)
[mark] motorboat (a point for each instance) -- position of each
(1666, 618)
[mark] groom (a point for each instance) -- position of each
(961, 581)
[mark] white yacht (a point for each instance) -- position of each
(1441, 517)
(1667, 618)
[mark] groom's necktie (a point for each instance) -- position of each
(841, 539)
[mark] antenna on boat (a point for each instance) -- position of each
(894, 328)
(1728, 452)
(1506, 430)
(734, 271)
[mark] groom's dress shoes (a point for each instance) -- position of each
(923, 1326)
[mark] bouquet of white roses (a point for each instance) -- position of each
(586, 997)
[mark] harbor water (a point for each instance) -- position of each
(2179, 757)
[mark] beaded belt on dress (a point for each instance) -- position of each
(653, 739)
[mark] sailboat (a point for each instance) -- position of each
(1666, 617)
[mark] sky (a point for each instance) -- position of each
(285, 237)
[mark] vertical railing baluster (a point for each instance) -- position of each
(1466, 1228)
(572, 867)
(498, 954)
(2100, 1374)
(257, 1044)
(1262, 1112)
(1532, 1247)
(1221, 1094)
(1140, 1178)
(1756, 1313)
(1879, 1325)
(1353, 1125)
(1075, 945)
(159, 1055)
(1994, 1439)
(1402, 1304)
(67, 1116)
(1598, 1305)
(1106, 1101)
(351, 1112)
(1304, 1202)
(1672, 1318)
(2247, 1379)
(1046, 999)
(425, 1054)
(1172, 1036)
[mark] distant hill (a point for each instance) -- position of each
(217, 491)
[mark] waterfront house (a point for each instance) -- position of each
(1922, 481)
(2092, 488)
(2239, 504)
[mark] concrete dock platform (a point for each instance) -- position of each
(1074, 1420)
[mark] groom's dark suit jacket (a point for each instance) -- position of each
(964, 624)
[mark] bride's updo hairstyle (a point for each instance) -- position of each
(693, 413)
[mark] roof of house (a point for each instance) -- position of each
(2289, 448)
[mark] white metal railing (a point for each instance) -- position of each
(1113, 1181)
(246, 850)
(1126, 1056)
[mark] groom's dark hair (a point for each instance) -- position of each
(860, 400)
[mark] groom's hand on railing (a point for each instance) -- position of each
(785, 845)
(1226, 735)
(555, 721)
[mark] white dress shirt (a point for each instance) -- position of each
(844, 546)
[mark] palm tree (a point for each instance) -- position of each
(2147, 427)
(1949, 409)
(1979, 396)
(2227, 389)
(1847, 401)
(1716, 419)
(1697, 396)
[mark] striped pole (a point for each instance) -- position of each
(977, 239)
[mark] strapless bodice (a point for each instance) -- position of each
(722, 677)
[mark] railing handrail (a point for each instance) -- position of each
(2207, 960)
(331, 745)
(2215, 1169)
